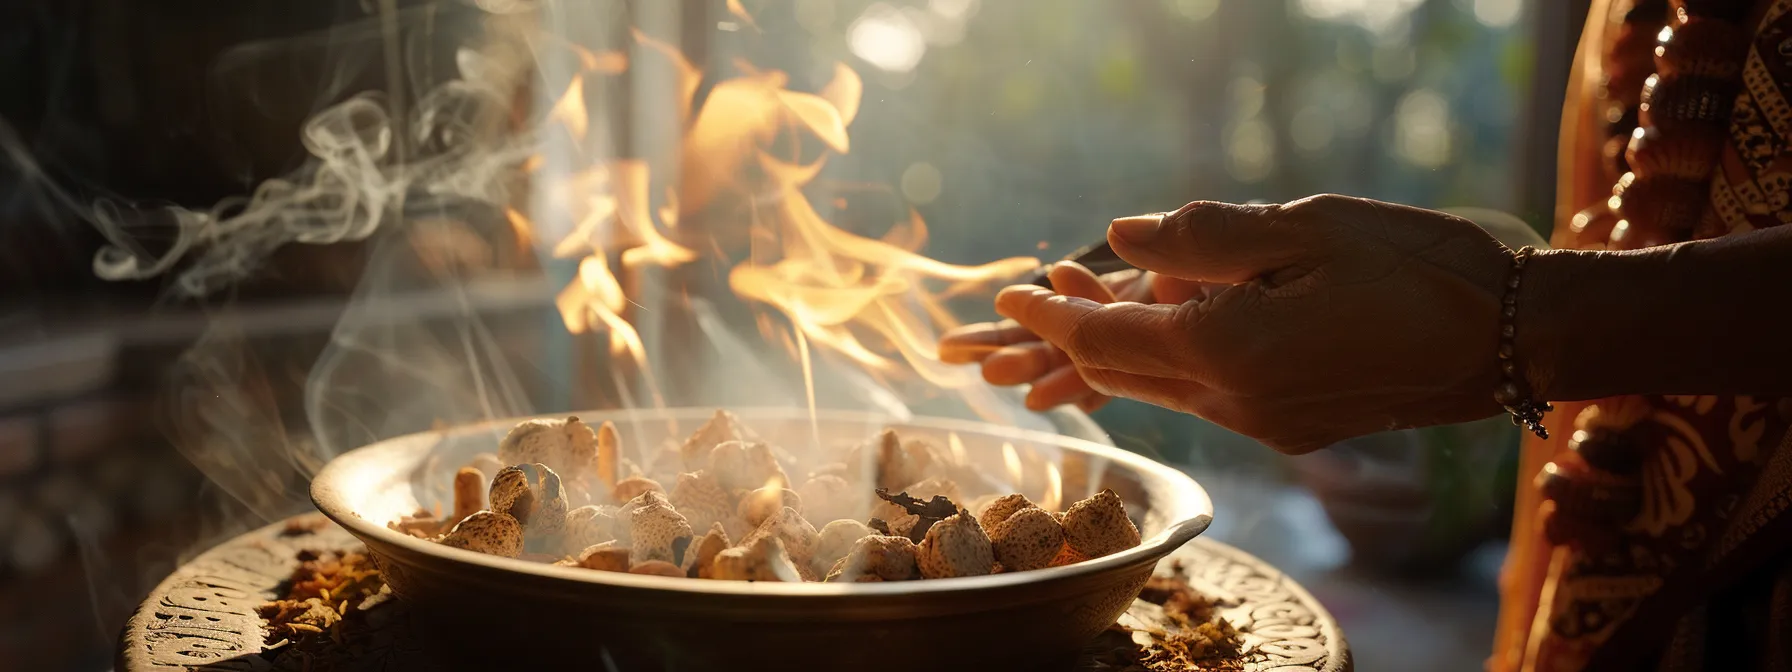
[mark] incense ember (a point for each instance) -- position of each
(888, 509)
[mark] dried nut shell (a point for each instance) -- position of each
(511, 494)
(834, 541)
(633, 486)
(624, 528)
(1098, 526)
(655, 533)
(1003, 507)
(488, 532)
(700, 497)
(657, 568)
(953, 547)
(1066, 556)
(900, 520)
(721, 427)
(832, 498)
(1027, 540)
(567, 446)
(798, 537)
(588, 525)
(763, 560)
(763, 466)
(607, 556)
(877, 558)
(763, 503)
(580, 458)
(740, 465)
(549, 516)
(883, 462)
(925, 458)
(702, 556)
(469, 493)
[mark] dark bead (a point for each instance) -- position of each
(1510, 299)
(1509, 368)
(1512, 282)
(1505, 351)
(1582, 493)
(1613, 154)
(1506, 394)
(1608, 450)
(1661, 202)
(1687, 98)
(1579, 533)
(1690, 153)
(1702, 46)
(1630, 60)
(1507, 331)
(1509, 312)
(1552, 481)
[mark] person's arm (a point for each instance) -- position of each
(1337, 317)
(1704, 317)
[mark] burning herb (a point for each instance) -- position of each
(326, 589)
(931, 511)
(1190, 634)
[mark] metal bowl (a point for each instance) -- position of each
(500, 613)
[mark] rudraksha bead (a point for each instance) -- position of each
(1662, 202)
(1690, 153)
(1686, 98)
(1702, 48)
(1608, 450)
(1582, 493)
(1631, 60)
(1577, 532)
(1615, 155)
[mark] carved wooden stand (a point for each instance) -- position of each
(202, 617)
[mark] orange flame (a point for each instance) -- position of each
(876, 302)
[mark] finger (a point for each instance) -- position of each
(1023, 363)
(1165, 289)
(1153, 340)
(1073, 279)
(1212, 242)
(1134, 285)
(1059, 387)
(1172, 393)
(1093, 402)
(973, 342)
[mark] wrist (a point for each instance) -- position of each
(1574, 321)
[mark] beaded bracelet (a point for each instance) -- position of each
(1514, 393)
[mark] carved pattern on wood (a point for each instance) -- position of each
(202, 617)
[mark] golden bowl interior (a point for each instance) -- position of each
(366, 488)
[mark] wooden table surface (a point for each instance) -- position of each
(202, 617)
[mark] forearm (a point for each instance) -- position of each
(1705, 317)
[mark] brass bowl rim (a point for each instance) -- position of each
(1186, 497)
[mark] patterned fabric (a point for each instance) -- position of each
(1718, 479)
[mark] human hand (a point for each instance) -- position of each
(1011, 354)
(1298, 325)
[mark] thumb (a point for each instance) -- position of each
(1213, 242)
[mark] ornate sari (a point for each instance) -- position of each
(1702, 575)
